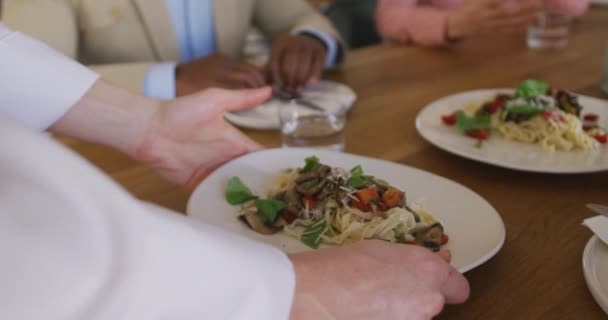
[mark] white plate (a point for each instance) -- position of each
(595, 269)
(475, 228)
(504, 153)
(326, 94)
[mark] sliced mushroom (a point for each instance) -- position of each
(312, 189)
(256, 222)
(307, 176)
(328, 190)
(323, 171)
(292, 198)
(430, 237)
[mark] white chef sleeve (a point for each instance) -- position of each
(38, 85)
(77, 246)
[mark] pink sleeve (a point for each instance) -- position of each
(406, 21)
(572, 8)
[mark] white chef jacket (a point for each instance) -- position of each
(75, 245)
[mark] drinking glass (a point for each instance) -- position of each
(550, 31)
(321, 128)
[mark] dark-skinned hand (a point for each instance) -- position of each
(218, 71)
(296, 62)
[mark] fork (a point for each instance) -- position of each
(287, 96)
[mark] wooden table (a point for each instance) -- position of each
(538, 273)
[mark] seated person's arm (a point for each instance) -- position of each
(407, 21)
(304, 42)
(573, 8)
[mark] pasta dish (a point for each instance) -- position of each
(322, 204)
(535, 115)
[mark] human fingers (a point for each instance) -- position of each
(243, 78)
(289, 67)
(318, 64)
(234, 100)
(446, 255)
(517, 23)
(274, 63)
(255, 74)
(304, 70)
(511, 10)
(456, 288)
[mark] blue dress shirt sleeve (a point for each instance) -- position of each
(160, 81)
(330, 43)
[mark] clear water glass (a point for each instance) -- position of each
(305, 127)
(551, 31)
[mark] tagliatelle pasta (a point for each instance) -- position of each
(565, 134)
(321, 204)
(532, 115)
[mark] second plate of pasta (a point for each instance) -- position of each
(568, 152)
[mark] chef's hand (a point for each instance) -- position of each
(187, 138)
(218, 71)
(374, 279)
(296, 62)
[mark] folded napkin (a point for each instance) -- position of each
(599, 226)
(326, 94)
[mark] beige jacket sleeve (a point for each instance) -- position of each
(55, 22)
(275, 17)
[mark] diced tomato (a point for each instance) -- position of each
(495, 105)
(552, 115)
(444, 239)
(367, 195)
(392, 197)
(359, 205)
(591, 117)
(601, 139)
(478, 134)
(309, 201)
(288, 216)
(450, 119)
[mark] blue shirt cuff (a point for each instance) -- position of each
(329, 41)
(160, 81)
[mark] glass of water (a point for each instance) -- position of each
(304, 126)
(550, 31)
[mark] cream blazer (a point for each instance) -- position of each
(120, 39)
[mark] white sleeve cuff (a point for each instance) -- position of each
(330, 43)
(160, 81)
(38, 85)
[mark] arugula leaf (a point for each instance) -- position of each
(237, 192)
(312, 235)
(311, 164)
(356, 181)
(357, 171)
(270, 208)
(528, 108)
(466, 123)
(531, 88)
